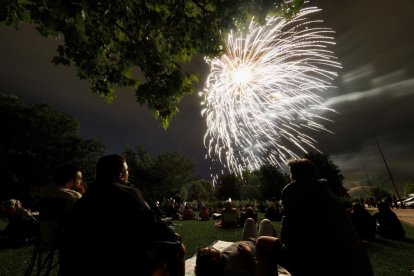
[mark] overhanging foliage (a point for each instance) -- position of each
(139, 44)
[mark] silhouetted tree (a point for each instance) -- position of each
(158, 176)
(228, 185)
(329, 171)
(35, 140)
(408, 187)
(272, 182)
(106, 40)
(251, 186)
(380, 193)
(200, 189)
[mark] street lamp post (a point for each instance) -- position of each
(389, 172)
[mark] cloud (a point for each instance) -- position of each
(397, 89)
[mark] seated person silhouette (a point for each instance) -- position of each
(273, 212)
(187, 213)
(113, 231)
(363, 221)
(317, 235)
(229, 215)
(172, 210)
(388, 224)
(249, 212)
(57, 201)
(204, 213)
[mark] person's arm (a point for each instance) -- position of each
(249, 257)
(267, 251)
(170, 247)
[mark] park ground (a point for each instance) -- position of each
(406, 215)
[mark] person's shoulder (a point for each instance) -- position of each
(127, 189)
(47, 191)
(289, 187)
(66, 193)
(133, 193)
(322, 182)
(72, 193)
(53, 191)
(110, 189)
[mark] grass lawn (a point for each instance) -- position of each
(387, 256)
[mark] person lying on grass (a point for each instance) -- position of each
(238, 258)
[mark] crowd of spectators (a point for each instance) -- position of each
(79, 220)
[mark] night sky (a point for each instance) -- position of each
(374, 93)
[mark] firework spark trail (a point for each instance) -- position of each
(265, 89)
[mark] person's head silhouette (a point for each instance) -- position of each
(301, 169)
(112, 168)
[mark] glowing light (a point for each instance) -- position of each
(242, 75)
(264, 92)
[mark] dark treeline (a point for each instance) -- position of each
(36, 139)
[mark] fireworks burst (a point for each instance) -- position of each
(264, 91)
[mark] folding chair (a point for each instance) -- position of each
(3, 211)
(45, 257)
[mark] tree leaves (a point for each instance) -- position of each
(159, 176)
(329, 171)
(35, 140)
(106, 40)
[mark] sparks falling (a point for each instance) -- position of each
(265, 91)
